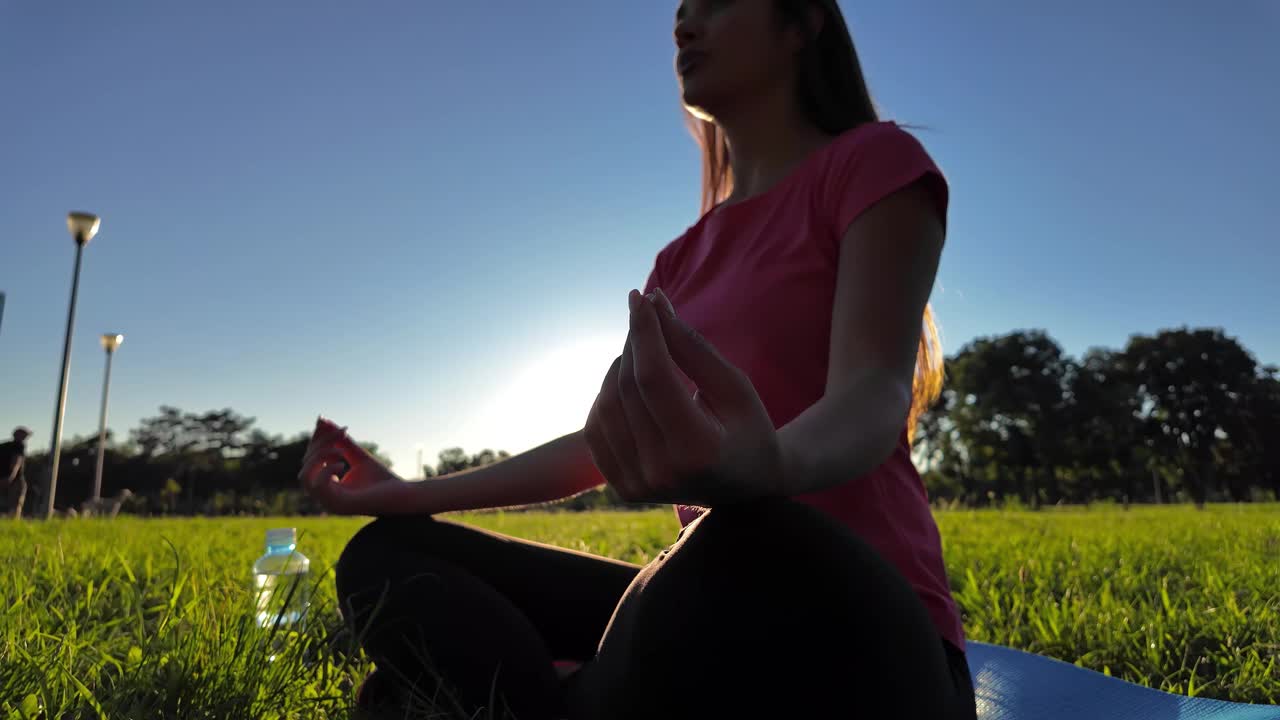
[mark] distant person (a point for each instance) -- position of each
(813, 586)
(13, 472)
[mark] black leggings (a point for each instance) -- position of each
(764, 609)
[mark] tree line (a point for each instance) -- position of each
(1181, 415)
(1185, 415)
(211, 463)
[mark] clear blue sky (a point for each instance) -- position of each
(422, 218)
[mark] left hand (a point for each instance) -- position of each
(347, 479)
(654, 442)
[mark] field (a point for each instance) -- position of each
(151, 618)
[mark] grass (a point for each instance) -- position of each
(152, 618)
(1171, 598)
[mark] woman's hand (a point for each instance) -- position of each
(367, 487)
(655, 442)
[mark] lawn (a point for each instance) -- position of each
(153, 618)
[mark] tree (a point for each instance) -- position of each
(162, 434)
(1251, 453)
(455, 459)
(1265, 408)
(218, 432)
(1006, 398)
(1102, 431)
(1192, 386)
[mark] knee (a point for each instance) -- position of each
(773, 533)
(770, 518)
(737, 533)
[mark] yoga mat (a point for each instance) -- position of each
(1014, 685)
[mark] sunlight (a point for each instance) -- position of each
(545, 399)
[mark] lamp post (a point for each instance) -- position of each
(82, 226)
(110, 342)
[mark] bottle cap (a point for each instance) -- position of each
(282, 537)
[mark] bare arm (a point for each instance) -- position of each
(554, 470)
(888, 260)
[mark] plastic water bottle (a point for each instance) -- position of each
(280, 579)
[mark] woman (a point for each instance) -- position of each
(775, 363)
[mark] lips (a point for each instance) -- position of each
(688, 61)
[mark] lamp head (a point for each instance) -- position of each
(83, 226)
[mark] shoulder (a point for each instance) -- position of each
(870, 162)
(877, 145)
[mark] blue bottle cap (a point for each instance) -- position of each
(282, 537)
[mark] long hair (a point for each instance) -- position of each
(832, 92)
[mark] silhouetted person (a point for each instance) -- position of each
(13, 472)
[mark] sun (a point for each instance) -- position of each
(548, 398)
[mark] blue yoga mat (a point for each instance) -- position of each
(1014, 685)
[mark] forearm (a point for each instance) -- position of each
(552, 471)
(846, 434)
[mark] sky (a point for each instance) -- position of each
(422, 218)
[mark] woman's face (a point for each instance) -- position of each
(730, 51)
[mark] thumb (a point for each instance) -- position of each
(335, 497)
(723, 384)
(323, 484)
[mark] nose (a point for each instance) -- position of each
(685, 32)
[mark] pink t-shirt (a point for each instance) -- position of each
(757, 279)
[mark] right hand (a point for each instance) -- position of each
(366, 488)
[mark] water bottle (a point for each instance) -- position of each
(280, 579)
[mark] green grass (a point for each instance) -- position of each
(151, 618)
(1172, 598)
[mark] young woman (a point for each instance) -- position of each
(775, 365)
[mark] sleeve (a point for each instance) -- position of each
(873, 164)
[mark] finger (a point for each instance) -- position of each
(350, 450)
(651, 447)
(319, 455)
(601, 453)
(328, 448)
(325, 432)
(322, 440)
(612, 419)
(658, 380)
(320, 474)
(725, 386)
(664, 302)
(322, 463)
(331, 494)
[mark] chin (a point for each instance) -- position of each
(697, 104)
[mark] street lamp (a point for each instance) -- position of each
(110, 341)
(82, 226)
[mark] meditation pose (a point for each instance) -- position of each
(775, 365)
